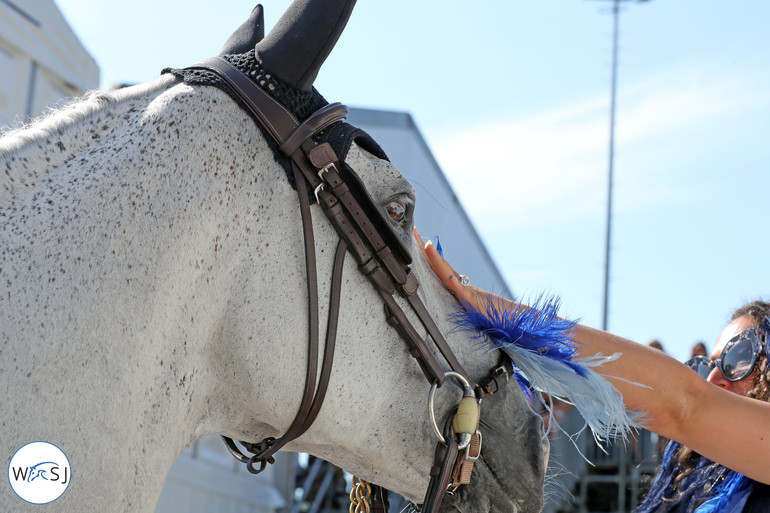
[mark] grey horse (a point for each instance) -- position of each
(152, 291)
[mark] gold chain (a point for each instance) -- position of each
(359, 496)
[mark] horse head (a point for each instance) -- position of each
(509, 472)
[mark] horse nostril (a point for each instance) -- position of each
(396, 210)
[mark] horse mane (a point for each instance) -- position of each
(30, 152)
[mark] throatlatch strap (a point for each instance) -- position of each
(313, 397)
(331, 335)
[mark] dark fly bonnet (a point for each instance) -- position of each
(312, 151)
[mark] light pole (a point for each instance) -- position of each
(611, 170)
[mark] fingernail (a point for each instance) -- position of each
(429, 243)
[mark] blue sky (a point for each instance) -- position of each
(513, 98)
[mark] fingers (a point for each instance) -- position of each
(440, 267)
(419, 239)
(455, 286)
(467, 295)
(426, 247)
(447, 275)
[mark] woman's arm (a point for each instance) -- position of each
(725, 427)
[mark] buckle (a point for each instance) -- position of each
(322, 185)
(502, 370)
(468, 455)
(324, 169)
(318, 189)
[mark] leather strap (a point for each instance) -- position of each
(461, 474)
(342, 191)
(331, 333)
(440, 475)
(380, 502)
(497, 379)
(416, 345)
(312, 397)
(438, 339)
(320, 119)
(273, 116)
(311, 271)
(312, 402)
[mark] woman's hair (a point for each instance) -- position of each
(759, 312)
(685, 476)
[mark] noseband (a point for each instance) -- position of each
(365, 234)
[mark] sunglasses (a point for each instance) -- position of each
(737, 360)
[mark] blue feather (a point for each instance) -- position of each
(545, 356)
(538, 329)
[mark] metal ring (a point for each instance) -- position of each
(464, 280)
(468, 392)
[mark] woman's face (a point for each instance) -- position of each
(743, 386)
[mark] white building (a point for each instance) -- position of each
(41, 60)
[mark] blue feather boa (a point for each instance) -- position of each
(698, 494)
(545, 357)
(731, 495)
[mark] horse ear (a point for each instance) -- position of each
(298, 45)
(246, 37)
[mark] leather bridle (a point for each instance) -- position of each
(381, 257)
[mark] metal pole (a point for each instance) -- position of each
(608, 235)
(622, 470)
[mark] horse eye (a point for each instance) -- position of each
(396, 211)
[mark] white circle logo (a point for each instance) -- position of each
(39, 472)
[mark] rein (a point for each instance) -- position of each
(381, 258)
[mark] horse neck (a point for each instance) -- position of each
(28, 155)
(120, 259)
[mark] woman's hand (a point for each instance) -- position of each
(469, 295)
